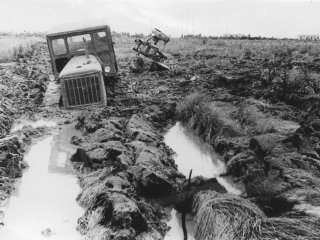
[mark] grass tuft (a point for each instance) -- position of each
(226, 217)
(230, 217)
(207, 118)
(305, 228)
(196, 110)
(93, 184)
(253, 117)
(99, 232)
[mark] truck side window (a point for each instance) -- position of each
(59, 47)
(77, 44)
(100, 40)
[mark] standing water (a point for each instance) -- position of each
(193, 153)
(18, 125)
(44, 203)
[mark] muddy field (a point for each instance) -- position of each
(255, 103)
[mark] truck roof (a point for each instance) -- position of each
(74, 28)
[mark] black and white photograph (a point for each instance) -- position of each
(159, 119)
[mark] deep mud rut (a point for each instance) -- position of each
(192, 153)
(137, 164)
(130, 179)
(44, 203)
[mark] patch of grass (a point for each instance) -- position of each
(303, 228)
(265, 126)
(194, 48)
(22, 51)
(188, 107)
(226, 217)
(258, 122)
(99, 232)
(207, 118)
(230, 217)
(10, 45)
(221, 43)
(123, 48)
(195, 110)
(93, 184)
(240, 48)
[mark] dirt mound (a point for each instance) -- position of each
(7, 112)
(25, 80)
(128, 163)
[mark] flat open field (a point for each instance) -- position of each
(9, 43)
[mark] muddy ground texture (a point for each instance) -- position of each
(271, 145)
(22, 88)
(267, 133)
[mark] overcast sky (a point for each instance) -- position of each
(279, 18)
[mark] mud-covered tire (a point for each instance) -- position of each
(109, 83)
(60, 101)
(137, 65)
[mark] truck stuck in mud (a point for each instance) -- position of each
(84, 62)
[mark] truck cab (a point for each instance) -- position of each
(84, 62)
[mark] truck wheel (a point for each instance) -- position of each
(60, 101)
(109, 83)
(137, 65)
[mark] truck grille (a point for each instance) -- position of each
(83, 90)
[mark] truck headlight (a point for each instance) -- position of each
(107, 69)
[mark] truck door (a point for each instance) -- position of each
(104, 49)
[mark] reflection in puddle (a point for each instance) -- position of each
(193, 153)
(176, 232)
(44, 205)
(230, 189)
(18, 125)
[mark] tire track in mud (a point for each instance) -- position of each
(118, 160)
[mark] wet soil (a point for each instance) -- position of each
(46, 194)
(270, 146)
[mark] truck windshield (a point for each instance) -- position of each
(59, 46)
(77, 43)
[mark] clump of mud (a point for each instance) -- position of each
(22, 86)
(126, 164)
(24, 81)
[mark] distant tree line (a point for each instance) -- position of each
(141, 35)
(230, 36)
(23, 34)
(127, 34)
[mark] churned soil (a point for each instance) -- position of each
(269, 142)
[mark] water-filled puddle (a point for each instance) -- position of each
(176, 232)
(44, 204)
(193, 153)
(19, 124)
